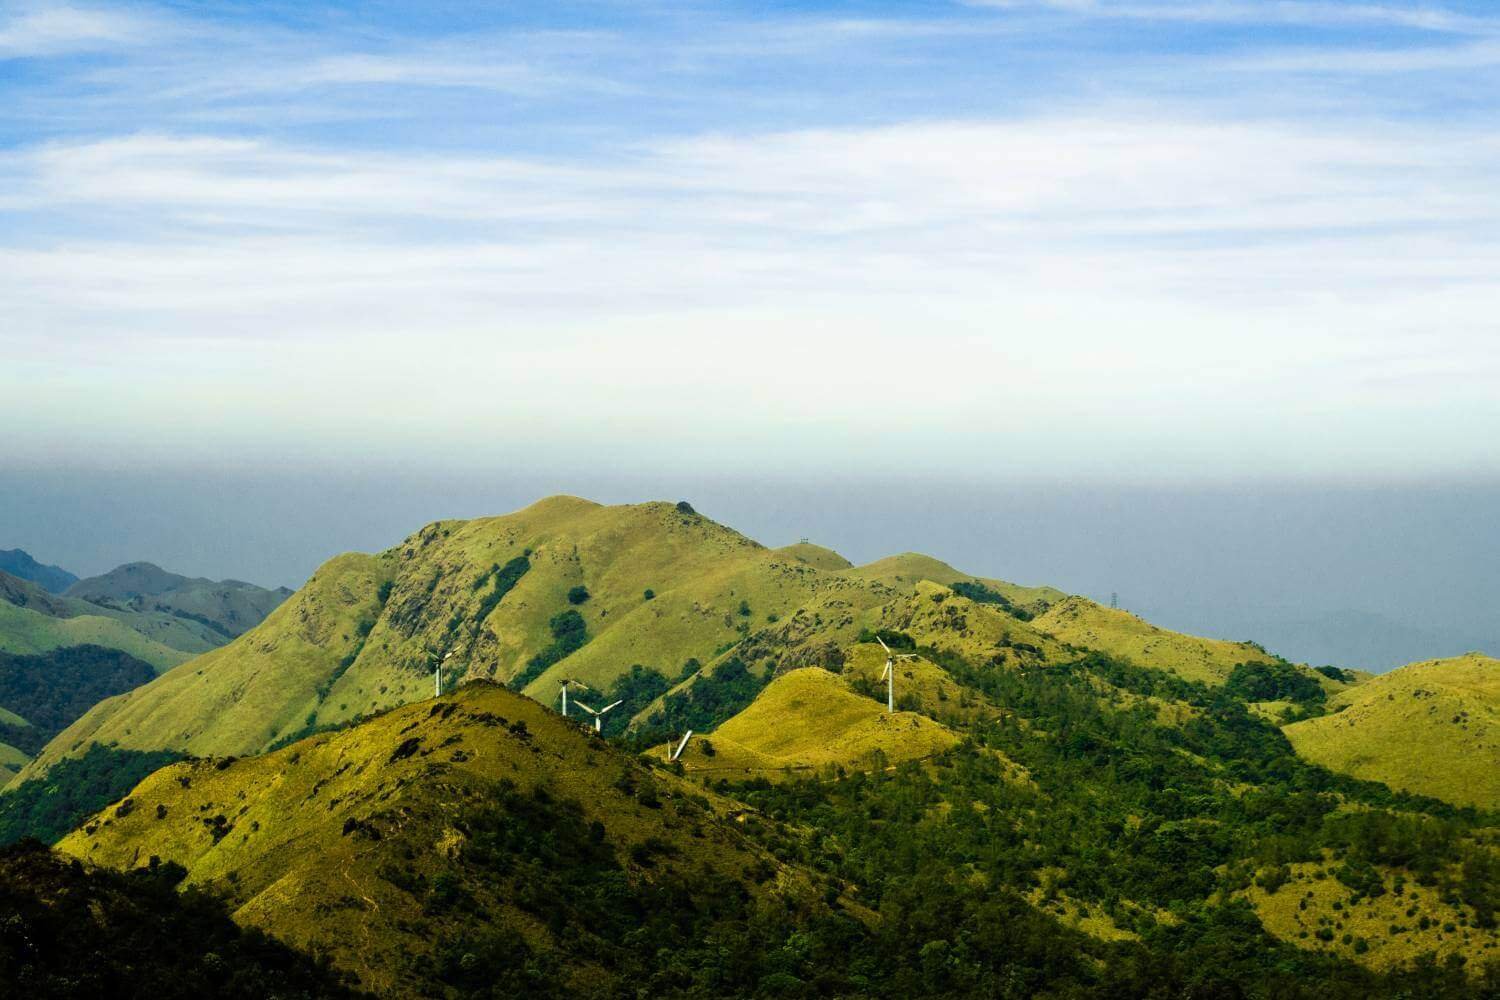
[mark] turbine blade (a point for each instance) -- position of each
(883, 645)
(611, 705)
(584, 707)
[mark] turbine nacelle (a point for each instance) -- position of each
(598, 714)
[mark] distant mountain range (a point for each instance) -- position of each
(18, 563)
(230, 607)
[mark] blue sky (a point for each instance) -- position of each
(1162, 240)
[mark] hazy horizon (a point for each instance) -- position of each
(1282, 564)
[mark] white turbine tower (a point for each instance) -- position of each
(565, 684)
(681, 746)
(437, 675)
(598, 715)
(889, 674)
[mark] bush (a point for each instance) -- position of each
(578, 594)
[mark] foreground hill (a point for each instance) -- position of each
(476, 839)
(565, 588)
(20, 564)
(67, 931)
(1431, 728)
(229, 607)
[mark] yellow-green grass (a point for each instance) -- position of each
(1432, 728)
(807, 720)
(815, 556)
(920, 684)
(906, 570)
(1089, 918)
(935, 616)
(1080, 622)
(315, 831)
(1313, 899)
(176, 633)
(25, 631)
(239, 699)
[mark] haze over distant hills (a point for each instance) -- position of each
(62, 651)
(20, 564)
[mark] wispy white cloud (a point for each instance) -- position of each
(1060, 279)
(1267, 12)
(1038, 275)
(56, 29)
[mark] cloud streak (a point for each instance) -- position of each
(709, 249)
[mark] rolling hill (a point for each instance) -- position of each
(1080, 622)
(463, 840)
(565, 588)
(35, 621)
(1432, 728)
(807, 720)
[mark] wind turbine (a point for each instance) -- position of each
(598, 715)
(681, 746)
(889, 674)
(566, 681)
(437, 675)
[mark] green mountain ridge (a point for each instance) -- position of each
(366, 632)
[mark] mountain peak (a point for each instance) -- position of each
(19, 563)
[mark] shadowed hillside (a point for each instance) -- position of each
(67, 931)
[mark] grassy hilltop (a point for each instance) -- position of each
(1431, 728)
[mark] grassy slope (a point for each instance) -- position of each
(909, 568)
(177, 635)
(11, 762)
(239, 698)
(815, 556)
(291, 671)
(808, 719)
(1431, 727)
(311, 663)
(1080, 622)
(300, 856)
(1297, 910)
(25, 631)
